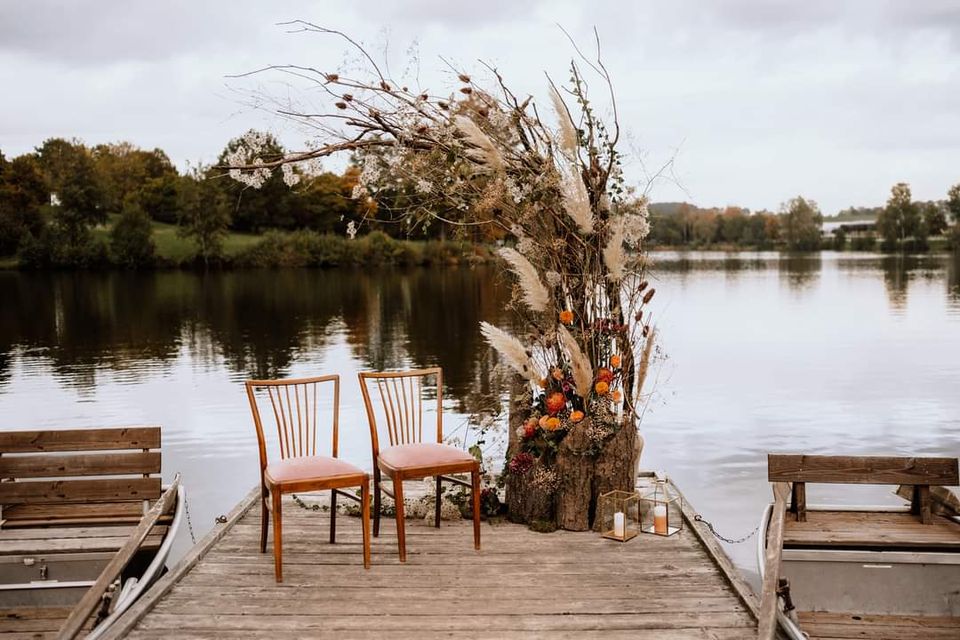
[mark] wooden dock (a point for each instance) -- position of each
(522, 584)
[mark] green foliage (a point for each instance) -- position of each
(71, 174)
(311, 249)
(22, 194)
(204, 214)
(953, 203)
(802, 221)
(900, 220)
(864, 243)
(839, 240)
(52, 247)
(131, 239)
(934, 217)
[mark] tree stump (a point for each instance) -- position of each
(583, 475)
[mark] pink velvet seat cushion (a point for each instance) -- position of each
(310, 468)
(410, 457)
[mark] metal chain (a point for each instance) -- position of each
(698, 518)
(186, 505)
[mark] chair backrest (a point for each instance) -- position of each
(921, 473)
(80, 465)
(295, 406)
(400, 395)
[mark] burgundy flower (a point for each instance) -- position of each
(520, 463)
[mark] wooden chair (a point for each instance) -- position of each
(294, 405)
(408, 457)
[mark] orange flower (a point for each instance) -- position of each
(557, 374)
(616, 395)
(604, 375)
(543, 421)
(543, 383)
(576, 416)
(615, 361)
(553, 424)
(601, 387)
(566, 316)
(555, 402)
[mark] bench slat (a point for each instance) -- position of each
(80, 440)
(106, 490)
(83, 464)
(862, 470)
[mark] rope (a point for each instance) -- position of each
(186, 505)
(699, 518)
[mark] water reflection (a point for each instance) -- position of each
(258, 322)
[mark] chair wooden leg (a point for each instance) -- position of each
(365, 521)
(436, 507)
(333, 516)
(376, 503)
(264, 520)
(475, 478)
(277, 536)
(401, 532)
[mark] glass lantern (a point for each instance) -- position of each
(661, 510)
(619, 515)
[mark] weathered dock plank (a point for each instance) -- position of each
(521, 584)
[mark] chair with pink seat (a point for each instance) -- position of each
(295, 406)
(398, 397)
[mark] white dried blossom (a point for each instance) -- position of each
(290, 177)
(516, 192)
(553, 278)
(546, 480)
(527, 246)
(423, 186)
(636, 226)
(358, 191)
(351, 229)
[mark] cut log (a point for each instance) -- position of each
(584, 474)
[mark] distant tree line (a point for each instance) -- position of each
(901, 225)
(796, 226)
(54, 198)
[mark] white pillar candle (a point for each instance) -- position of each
(660, 519)
(619, 524)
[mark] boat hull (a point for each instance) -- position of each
(865, 582)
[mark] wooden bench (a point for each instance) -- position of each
(920, 473)
(82, 479)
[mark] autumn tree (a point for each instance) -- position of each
(801, 223)
(70, 174)
(22, 194)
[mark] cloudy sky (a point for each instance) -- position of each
(755, 101)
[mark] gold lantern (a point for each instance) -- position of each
(661, 510)
(619, 513)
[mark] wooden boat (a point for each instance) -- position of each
(861, 571)
(85, 527)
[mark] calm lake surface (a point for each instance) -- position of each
(832, 353)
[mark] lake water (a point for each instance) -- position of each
(830, 353)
